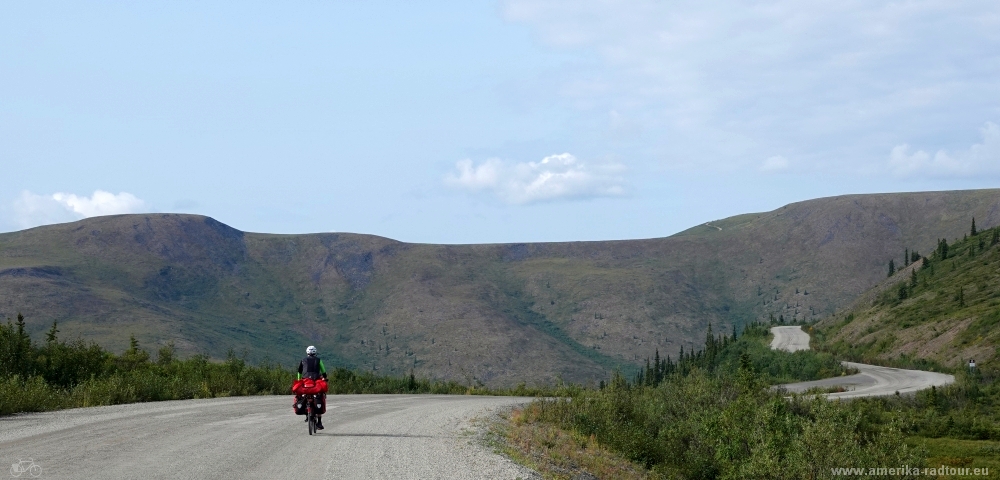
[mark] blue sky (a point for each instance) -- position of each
(475, 122)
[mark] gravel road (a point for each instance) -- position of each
(366, 436)
(870, 381)
(789, 339)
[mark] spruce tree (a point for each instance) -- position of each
(50, 337)
(974, 232)
(906, 257)
(913, 278)
(943, 248)
(657, 372)
(648, 375)
(19, 350)
(892, 267)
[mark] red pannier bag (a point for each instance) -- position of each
(307, 386)
(298, 405)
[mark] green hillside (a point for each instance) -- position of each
(496, 314)
(944, 310)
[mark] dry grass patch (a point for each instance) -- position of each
(558, 453)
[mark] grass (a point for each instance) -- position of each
(557, 453)
(959, 453)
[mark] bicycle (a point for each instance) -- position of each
(23, 466)
(310, 399)
(311, 409)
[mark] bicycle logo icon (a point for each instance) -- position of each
(25, 466)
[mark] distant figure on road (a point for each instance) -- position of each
(972, 364)
(312, 367)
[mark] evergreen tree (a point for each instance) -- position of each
(902, 292)
(974, 232)
(961, 297)
(913, 278)
(50, 337)
(711, 348)
(906, 257)
(942, 250)
(15, 349)
(657, 371)
(892, 268)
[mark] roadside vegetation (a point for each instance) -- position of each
(57, 374)
(713, 414)
(709, 414)
(935, 313)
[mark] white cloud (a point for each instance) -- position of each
(980, 158)
(100, 203)
(555, 177)
(774, 164)
(721, 82)
(31, 210)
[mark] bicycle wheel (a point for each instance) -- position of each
(310, 416)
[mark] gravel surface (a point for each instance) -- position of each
(789, 339)
(366, 436)
(871, 380)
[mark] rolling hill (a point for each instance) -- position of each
(945, 310)
(497, 314)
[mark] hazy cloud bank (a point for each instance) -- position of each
(980, 158)
(31, 210)
(832, 83)
(556, 177)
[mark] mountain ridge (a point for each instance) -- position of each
(492, 313)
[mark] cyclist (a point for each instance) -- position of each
(312, 367)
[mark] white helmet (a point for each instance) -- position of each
(310, 350)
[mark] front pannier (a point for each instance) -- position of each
(309, 386)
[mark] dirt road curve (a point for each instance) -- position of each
(871, 381)
(366, 436)
(789, 339)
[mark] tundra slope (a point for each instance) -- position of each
(944, 310)
(871, 381)
(497, 314)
